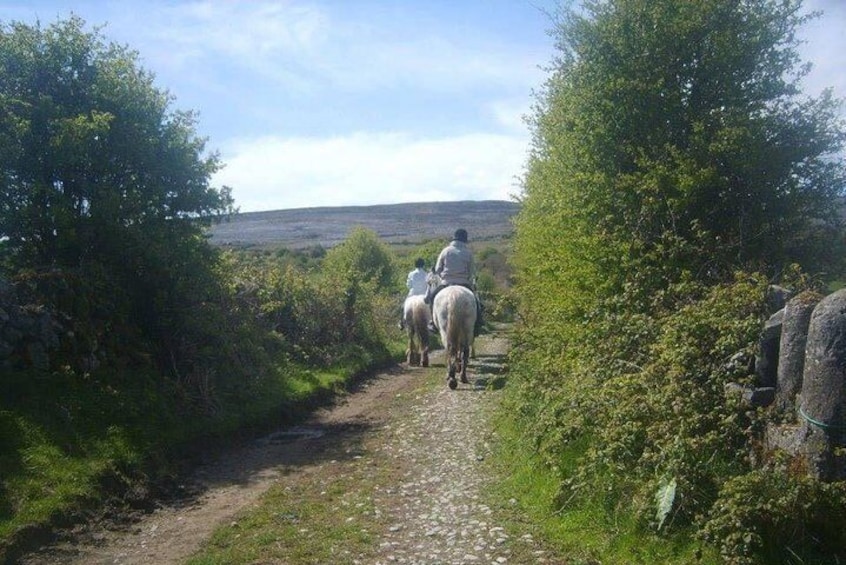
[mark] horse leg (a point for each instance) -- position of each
(424, 347)
(451, 362)
(465, 356)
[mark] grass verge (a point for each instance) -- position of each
(526, 489)
(72, 444)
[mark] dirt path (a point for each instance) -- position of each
(430, 505)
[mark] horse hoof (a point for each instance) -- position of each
(453, 384)
(464, 379)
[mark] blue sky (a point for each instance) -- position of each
(356, 102)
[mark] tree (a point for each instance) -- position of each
(101, 182)
(362, 257)
(672, 137)
(90, 152)
(672, 147)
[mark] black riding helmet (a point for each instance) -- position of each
(460, 235)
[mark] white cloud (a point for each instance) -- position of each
(306, 45)
(273, 173)
(825, 47)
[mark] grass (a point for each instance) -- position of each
(585, 533)
(300, 523)
(293, 525)
(63, 437)
(325, 514)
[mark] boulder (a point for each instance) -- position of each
(791, 356)
(766, 362)
(823, 393)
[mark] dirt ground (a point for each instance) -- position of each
(428, 521)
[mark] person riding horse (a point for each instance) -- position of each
(455, 265)
(416, 284)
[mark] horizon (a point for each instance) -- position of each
(427, 202)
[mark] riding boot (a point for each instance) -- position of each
(430, 300)
(431, 325)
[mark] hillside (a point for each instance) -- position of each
(488, 220)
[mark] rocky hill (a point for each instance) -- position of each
(488, 220)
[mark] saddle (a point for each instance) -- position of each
(430, 299)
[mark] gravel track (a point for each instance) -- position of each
(430, 506)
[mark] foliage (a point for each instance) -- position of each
(90, 151)
(670, 137)
(672, 150)
(363, 257)
(586, 534)
(103, 182)
(669, 419)
(771, 516)
(319, 318)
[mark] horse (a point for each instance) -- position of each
(416, 315)
(454, 313)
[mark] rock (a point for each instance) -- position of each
(791, 357)
(752, 397)
(823, 393)
(777, 297)
(766, 364)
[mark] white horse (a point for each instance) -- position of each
(416, 315)
(454, 312)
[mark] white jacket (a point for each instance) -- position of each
(416, 282)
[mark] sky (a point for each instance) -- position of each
(359, 102)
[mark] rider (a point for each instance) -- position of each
(455, 266)
(416, 283)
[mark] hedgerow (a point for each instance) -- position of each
(671, 150)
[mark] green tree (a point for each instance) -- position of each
(672, 148)
(672, 136)
(90, 151)
(102, 181)
(363, 257)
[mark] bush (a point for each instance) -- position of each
(770, 516)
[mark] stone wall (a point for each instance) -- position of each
(804, 346)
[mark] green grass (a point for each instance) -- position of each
(63, 436)
(325, 523)
(323, 514)
(586, 534)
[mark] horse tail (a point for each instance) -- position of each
(416, 314)
(458, 311)
(420, 316)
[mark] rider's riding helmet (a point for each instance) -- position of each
(460, 235)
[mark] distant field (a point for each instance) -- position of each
(488, 220)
